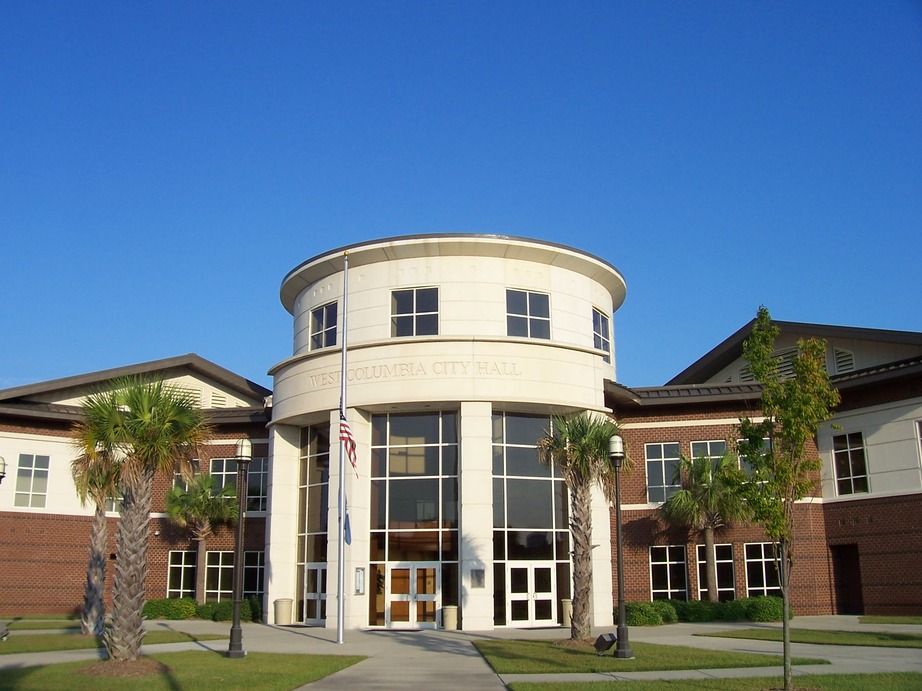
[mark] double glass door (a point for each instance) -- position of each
(412, 595)
(531, 599)
(315, 594)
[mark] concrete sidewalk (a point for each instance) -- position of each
(443, 659)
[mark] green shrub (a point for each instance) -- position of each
(666, 610)
(207, 610)
(642, 614)
(154, 609)
(681, 608)
(732, 610)
(169, 608)
(700, 610)
(224, 611)
(256, 607)
(768, 608)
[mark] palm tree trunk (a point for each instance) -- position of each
(200, 566)
(93, 617)
(581, 531)
(710, 563)
(124, 637)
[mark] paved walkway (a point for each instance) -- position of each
(448, 659)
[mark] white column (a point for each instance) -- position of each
(355, 607)
(282, 520)
(476, 527)
(602, 602)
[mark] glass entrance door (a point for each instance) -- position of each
(531, 597)
(315, 594)
(413, 595)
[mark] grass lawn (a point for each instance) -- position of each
(42, 624)
(878, 619)
(44, 642)
(203, 671)
(543, 657)
(897, 681)
(879, 639)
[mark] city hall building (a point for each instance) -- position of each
(460, 349)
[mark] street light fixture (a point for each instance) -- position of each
(2, 468)
(244, 456)
(616, 455)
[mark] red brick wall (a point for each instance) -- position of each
(888, 533)
(811, 591)
(43, 557)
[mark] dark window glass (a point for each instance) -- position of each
(529, 504)
(413, 503)
(531, 545)
(538, 305)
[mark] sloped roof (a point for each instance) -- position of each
(18, 401)
(732, 348)
(618, 394)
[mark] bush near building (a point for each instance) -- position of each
(758, 609)
(186, 608)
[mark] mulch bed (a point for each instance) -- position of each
(125, 669)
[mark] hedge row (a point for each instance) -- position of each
(186, 608)
(671, 611)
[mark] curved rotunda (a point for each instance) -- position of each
(460, 348)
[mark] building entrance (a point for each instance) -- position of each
(412, 595)
(315, 594)
(530, 598)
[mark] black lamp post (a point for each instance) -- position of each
(244, 455)
(2, 468)
(616, 455)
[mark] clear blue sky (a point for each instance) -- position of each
(163, 165)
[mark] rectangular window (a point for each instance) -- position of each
(709, 449)
(850, 463)
(415, 312)
(745, 465)
(668, 575)
(726, 585)
(178, 480)
(323, 326)
(761, 570)
(181, 575)
(528, 315)
(662, 464)
(254, 573)
(224, 472)
(219, 576)
(31, 481)
(601, 333)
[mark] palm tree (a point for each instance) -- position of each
(152, 429)
(708, 500)
(578, 446)
(200, 506)
(96, 475)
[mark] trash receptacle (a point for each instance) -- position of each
(450, 617)
(566, 613)
(283, 611)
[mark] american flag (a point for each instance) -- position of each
(345, 436)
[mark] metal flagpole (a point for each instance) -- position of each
(341, 569)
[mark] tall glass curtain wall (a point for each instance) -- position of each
(414, 513)
(313, 503)
(531, 539)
